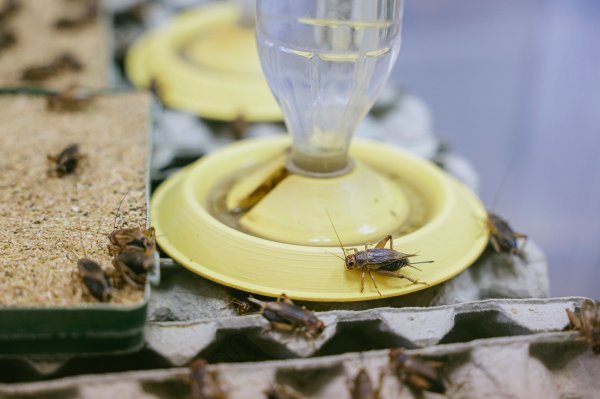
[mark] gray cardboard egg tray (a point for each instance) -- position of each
(544, 365)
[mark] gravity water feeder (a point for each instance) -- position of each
(259, 215)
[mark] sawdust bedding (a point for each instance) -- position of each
(38, 42)
(47, 222)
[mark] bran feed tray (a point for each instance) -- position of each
(49, 222)
(38, 42)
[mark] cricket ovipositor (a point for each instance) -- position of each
(380, 260)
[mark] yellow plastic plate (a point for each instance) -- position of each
(205, 63)
(453, 235)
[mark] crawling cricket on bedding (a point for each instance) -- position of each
(284, 315)
(130, 239)
(503, 238)
(72, 99)
(63, 63)
(7, 39)
(86, 17)
(65, 162)
(419, 375)
(379, 259)
(133, 250)
(95, 279)
(9, 9)
(133, 267)
(587, 321)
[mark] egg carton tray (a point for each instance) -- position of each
(245, 339)
(545, 365)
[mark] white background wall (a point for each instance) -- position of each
(518, 82)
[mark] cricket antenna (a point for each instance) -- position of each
(119, 209)
(79, 229)
(504, 178)
(336, 233)
(336, 255)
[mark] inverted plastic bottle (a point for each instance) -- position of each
(326, 62)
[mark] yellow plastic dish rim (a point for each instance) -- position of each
(454, 237)
(213, 94)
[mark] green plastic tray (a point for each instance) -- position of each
(82, 329)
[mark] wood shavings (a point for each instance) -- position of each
(47, 223)
(38, 42)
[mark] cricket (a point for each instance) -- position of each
(86, 17)
(284, 315)
(503, 238)
(66, 161)
(72, 99)
(95, 279)
(280, 391)
(587, 322)
(66, 62)
(203, 383)
(419, 375)
(380, 260)
(361, 387)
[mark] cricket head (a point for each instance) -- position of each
(316, 327)
(351, 262)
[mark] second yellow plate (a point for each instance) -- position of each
(204, 62)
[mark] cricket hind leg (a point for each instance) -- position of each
(381, 244)
(495, 244)
(400, 275)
